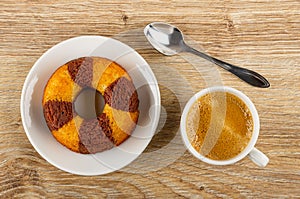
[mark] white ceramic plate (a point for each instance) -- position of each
(32, 112)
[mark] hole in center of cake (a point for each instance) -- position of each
(89, 103)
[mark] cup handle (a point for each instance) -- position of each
(258, 157)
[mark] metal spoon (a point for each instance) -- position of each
(168, 40)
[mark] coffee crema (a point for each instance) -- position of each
(219, 125)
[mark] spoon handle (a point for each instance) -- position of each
(249, 76)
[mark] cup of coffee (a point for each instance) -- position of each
(220, 126)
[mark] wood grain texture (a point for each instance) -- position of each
(261, 35)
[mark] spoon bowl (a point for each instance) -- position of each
(164, 37)
(168, 40)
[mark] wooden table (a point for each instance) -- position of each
(261, 35)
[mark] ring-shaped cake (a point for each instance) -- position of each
(109, 128)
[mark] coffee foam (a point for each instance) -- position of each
(219, 125)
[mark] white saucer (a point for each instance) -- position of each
(32, 112)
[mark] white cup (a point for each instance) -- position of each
(254, 154)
